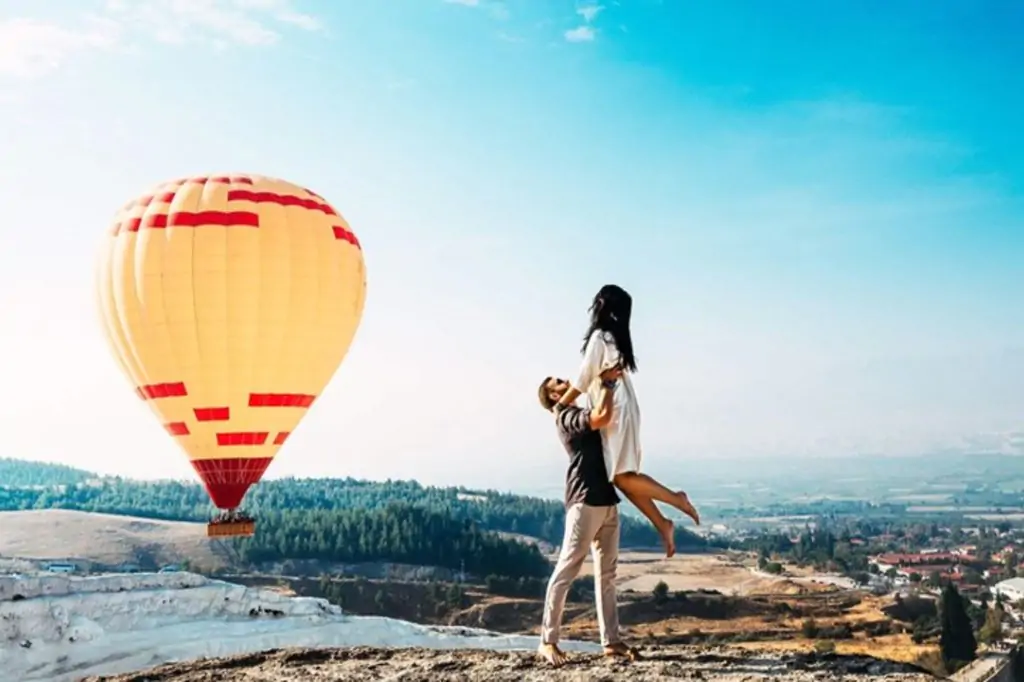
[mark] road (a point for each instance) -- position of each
(981, 669)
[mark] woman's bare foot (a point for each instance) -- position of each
(552, 654)
(667, 531)
(620, 650)
(684, 505)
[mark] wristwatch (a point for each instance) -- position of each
(609, 384)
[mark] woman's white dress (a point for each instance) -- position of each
(621, 437)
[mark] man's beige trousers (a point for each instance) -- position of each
(587, 529)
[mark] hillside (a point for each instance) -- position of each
(60, 629)
(106, 539)
(324, 540)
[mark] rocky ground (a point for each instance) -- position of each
(670, 663)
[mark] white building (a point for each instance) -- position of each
(1012, 589)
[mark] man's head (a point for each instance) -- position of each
(551, 391)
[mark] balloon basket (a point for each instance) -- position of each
(229, 529)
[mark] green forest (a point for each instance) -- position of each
(401, 533)
(343, 520)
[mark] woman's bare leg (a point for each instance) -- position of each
(642, 485)
(666, 529)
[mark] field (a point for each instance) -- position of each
(105, 539)
(641, 572)
(728, 573)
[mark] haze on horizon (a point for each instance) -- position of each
(818, 210)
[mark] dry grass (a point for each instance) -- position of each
(733, 574)
(105, 539)
(890, 647)
(898, 648)
(730, 574)
(642, 571)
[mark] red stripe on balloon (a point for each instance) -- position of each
(345, 235)
(280, 200)
(177, 428)
(280, 399)
(154, 391)
(212, 414)
(171, 188)
(164, 197)
(160, 221)
(242, 438)
(216, 180)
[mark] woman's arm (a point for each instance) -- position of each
(602, 414)
(590, 368)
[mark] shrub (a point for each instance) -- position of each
(809, 628)
(825, 647)
(660, 592)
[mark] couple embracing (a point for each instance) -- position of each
(603, 444)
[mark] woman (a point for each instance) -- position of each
(608, 343)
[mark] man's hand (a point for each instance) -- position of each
(612, 373)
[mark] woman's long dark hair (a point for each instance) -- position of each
(610, 312)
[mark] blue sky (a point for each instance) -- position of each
(819, 208)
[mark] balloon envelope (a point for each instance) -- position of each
(229, 302)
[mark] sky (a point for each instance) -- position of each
(817, 207)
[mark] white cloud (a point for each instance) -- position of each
(589, 12)
(498, 10)
(31, 48)
(580, 34)
(584, 33)
(244, 22)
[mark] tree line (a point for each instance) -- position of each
(336, 520)
(399, 533)
(16, 473)
(177, 501)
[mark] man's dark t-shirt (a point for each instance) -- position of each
(586, 481)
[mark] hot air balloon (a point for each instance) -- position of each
(229, 302)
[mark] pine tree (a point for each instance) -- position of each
(957, 639)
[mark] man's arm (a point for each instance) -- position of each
(581, 420)
(602, 414)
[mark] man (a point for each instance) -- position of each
(591, 519)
